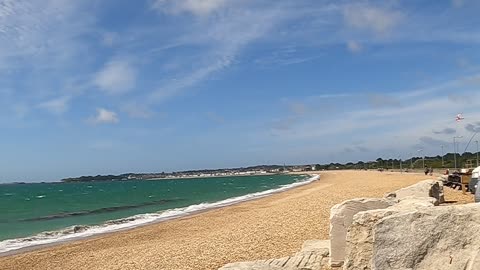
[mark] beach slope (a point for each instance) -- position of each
(270, 227)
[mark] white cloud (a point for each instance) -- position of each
(116, 77)
(354, 46)
(56, 106)
(377, 20)
(104, 116)
(196, 7)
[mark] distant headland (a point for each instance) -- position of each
(466, 159)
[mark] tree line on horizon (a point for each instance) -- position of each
(464, 160)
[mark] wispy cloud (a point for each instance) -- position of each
(475, 127)
(447, 131)
(405, 126)
(196, 7)
(108, 38)
(177, 86)
(116, 77)
(222, 39)
(104, 116)
(374, 19)
(285, 56)
(42, 33)
(57, 105)
(297, 108)
(20, 110)
(332, 96)
(382, 100)
(137, 110)
(432, 141)
(354, 46)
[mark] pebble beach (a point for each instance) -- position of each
(269, 227)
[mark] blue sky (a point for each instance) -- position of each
(96, 87)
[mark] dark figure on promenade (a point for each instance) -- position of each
(426, 170)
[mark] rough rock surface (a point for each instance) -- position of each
(359, 250)
(428, 238)
(320, 247)
(313, 256)
(341, 216)
(426, 188)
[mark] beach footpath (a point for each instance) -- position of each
(276, 226)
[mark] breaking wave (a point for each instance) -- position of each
(81, 231)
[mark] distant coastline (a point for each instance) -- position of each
(248, 171)
(412, 163)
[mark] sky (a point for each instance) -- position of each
(108, 87)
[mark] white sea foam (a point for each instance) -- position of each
(81, 231)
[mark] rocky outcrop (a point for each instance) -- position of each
(341, 217)
(360, 238)
(428, 238)
(426, 188)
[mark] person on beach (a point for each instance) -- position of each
(426, 170)
(431, 171)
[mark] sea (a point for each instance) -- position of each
(44, 213)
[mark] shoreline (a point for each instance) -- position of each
(310, 178)
(269, 227)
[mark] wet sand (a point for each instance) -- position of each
(269, 227)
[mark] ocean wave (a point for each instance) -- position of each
(98, 211)
(82, 231)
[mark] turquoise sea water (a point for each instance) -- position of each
(30, 209)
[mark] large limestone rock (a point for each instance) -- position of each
(359, 243)
(426, 188)
(341, 216)
(429, 238)
(413, 235)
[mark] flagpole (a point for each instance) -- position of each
(443, 164)
(455, 149)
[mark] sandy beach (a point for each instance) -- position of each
(274, 226)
